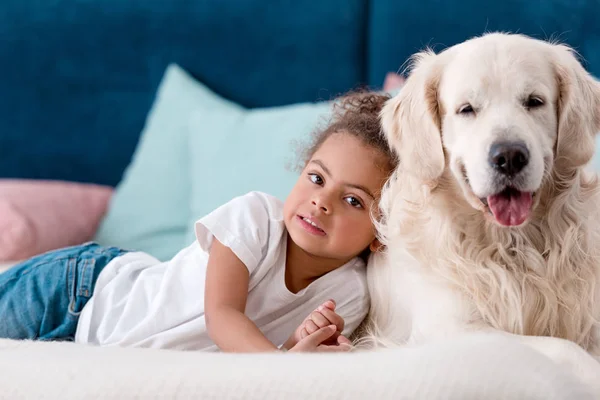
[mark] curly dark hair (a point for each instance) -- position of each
(356, 114)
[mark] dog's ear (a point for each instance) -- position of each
(578, 106)
(411, 121)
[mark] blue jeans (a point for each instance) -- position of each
(41, 298)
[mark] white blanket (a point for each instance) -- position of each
(471, 367)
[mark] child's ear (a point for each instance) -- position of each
(375, 246)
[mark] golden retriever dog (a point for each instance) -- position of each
(491, 221)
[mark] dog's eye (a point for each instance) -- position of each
(466, 109)
(533, 102)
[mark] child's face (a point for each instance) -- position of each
(336, 191)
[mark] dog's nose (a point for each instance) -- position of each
(508, 158)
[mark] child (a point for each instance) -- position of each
(261, 275)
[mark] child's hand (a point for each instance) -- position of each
(323, 316)
(316, 341)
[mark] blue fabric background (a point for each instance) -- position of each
(78, 77)
(401, 28)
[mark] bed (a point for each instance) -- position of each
(472, 367)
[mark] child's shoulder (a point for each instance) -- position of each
(256, 200)
(356, 275)
(357, 268)
(262, 197)
(249, 211)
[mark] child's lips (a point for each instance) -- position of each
(311, 225)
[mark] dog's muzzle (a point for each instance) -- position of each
(508, 158)
(510, 206)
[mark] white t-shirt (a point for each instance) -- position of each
(142, 302)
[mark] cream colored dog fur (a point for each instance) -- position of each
(490, 221)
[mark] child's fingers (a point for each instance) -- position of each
(333, 318)
(303, 333)
(330, 304)
(311, 327)
(316, 338)
(319, 319)
(334, 349)
(343, 340)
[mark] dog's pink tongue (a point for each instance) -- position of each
(510, 208)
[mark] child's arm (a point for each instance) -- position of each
(225, 298)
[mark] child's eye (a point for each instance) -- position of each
(354, 202)
(316, 179)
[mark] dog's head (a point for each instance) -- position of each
(499, 113)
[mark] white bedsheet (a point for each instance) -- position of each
(471, 367)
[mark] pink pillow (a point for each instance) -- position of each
(37, 216)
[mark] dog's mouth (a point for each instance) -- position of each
(510, 207)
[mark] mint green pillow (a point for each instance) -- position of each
(150, 208)
(234, 151)
(196, 152)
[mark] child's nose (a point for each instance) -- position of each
(322, 203)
